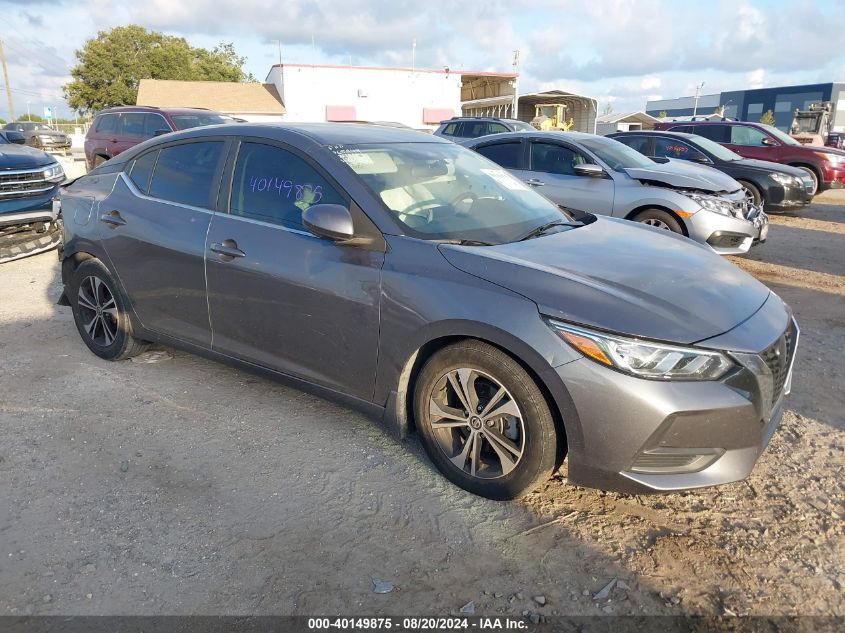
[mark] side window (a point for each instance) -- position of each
(741, 135)
(107, 124)
(133, 123)
(153, 123)
(555, 159)
(274, 185)
(474, 129)
(673, 148)
(142, 169)
(449, 130)
(505, 154)
(638, 143)
(718, 133)
(185, 173)
(496, 128)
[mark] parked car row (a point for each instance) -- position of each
(40, 135)
(436, 290)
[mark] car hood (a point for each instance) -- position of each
(769, 166)
(685, 175)
(14, 156)
(620, 276)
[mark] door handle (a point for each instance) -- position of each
(113, 219)
(228, 250)
(534, 182)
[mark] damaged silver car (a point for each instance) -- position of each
(596, 174)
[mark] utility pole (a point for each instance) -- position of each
(6, 79)
(695, 103)
(515, 84)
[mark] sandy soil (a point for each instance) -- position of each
(182, 486)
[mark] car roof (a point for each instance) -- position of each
(139, 108)
(573, 137)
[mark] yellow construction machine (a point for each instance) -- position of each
(552, 116)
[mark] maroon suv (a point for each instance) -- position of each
(115, 130)
(825, 166)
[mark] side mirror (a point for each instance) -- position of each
(768, 142)
(329, 221)
(588, 169)
(701, 160)
(160, 132)
(15, 137)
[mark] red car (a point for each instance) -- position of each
(115, 130)
(825, 166)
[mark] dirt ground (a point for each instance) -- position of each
(182, 486)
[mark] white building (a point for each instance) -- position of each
(418, 98)
(624, 122)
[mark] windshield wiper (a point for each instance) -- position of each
(466, 242)
(538, 231)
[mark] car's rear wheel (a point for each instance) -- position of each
(100, 313)
(484, 421)
(660, 219)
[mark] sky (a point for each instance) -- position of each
(622, 52)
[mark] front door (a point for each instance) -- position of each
(153, 228)
(552, 172)
(281, 297)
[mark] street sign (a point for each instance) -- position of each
(48, 112)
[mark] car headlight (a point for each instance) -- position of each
(53, 173)
(786, 180)
(712, 203)
(836, 159)
(645, 359)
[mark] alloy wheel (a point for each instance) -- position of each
(660, 224)
(98, 311)
(477, 423)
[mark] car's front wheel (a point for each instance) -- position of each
(100, 313)
(484, 421)
(660, 219)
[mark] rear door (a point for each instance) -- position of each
(551, 171)
(281, 297)
(154, 226)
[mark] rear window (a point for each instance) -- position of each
(718, 133)
(107, 124)
(449, 130)
(186, 173)
(142, 169)
(496, 128)
(504, 154)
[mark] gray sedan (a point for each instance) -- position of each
(600, 175)
(419, 282)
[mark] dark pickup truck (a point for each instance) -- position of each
(29, 182)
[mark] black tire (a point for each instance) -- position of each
(98, 284)
(754, 191)
(813, 175)
(20, 245)
(660, 219)
(535, 435)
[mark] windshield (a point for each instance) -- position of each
(522, 126)
(719, 151)
(781, 136)
(614, 154)
(185, 121)
(442, 191)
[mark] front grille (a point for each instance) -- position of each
(19, 184)
(778, 358)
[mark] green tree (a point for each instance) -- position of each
(111, 65)
(768, 118)
(31, 117)
(663, 115)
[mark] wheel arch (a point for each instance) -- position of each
(400, 403)
(813, 168)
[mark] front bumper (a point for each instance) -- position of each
(728, 235)
(652, 436)
(785, 198)
(18, 211)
